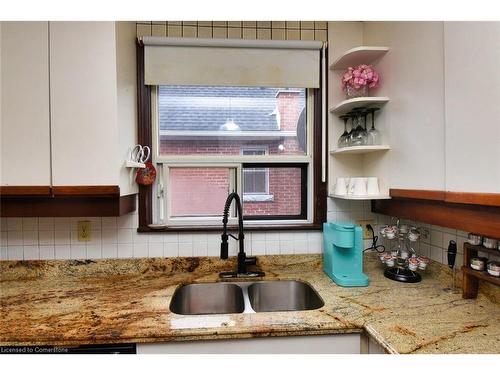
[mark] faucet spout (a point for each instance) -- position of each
(243, 260)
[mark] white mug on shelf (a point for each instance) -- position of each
(341, 186)
(359, 186)
(372, 186)
(350, 184)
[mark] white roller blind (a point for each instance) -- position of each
(229, 62)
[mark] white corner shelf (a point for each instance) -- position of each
(359, 197)
(359, 55)
(366, 101)
(360, 149)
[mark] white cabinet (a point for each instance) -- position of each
(83, 103)
(413, 121)
(320, 344)
(25, 135)
(68, 103)
(472, 103)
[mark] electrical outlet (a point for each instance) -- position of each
(367, 234)
(84, 231)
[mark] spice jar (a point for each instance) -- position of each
(478, 263)
(494, 268)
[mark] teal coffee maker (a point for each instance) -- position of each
(343, 254)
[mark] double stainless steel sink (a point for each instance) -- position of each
(244, 297)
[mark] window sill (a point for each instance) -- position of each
(218, 228)
(256, 198)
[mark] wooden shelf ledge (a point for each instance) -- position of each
(483, 199)
(65, 201)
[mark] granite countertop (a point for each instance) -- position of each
(112, 301)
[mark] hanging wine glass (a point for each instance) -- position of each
(358, 138)
(373, 134)
(350, 135)
(343, 140)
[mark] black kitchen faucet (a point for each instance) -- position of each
(243, 260)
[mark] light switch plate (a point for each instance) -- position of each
(84, 231)
(367, 234)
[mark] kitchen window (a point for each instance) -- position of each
(212, 139)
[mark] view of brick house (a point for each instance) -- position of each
(198, 120)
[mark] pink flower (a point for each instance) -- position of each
(360, 76)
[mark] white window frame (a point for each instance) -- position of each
(161, 215)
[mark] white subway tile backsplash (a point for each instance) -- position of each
(436, 254)
(185, 238)
(74, 238)
(155, 238)
(300, 247)
(46, 223)
(14, 224)
(46, 237)
(125, 250)
(125, 236)
(287, 247)
(62, 251)
(30, 223)
(15, 238)
(112, 237)
(200, 248)
(109, 223)
(258, 247)
(94, 252)
(436, 238)
(140, 250)
(129, 221)
(170, 238)
(141, 238)
(109, 250)
(109, 236)
(171, 249)
(78, 252)
(272, 247)
(62, 223)
(30, 237)
(185, 249)
(62, 237)
(213, 248)
(3, 224)
(155, 250)
(31, 252)
(15, 253)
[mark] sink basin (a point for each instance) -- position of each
(283, 296)
(209, 298)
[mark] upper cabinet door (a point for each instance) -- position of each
(25, 132)
(83, 103)
(472, 104)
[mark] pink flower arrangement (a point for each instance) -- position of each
(362, 75)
